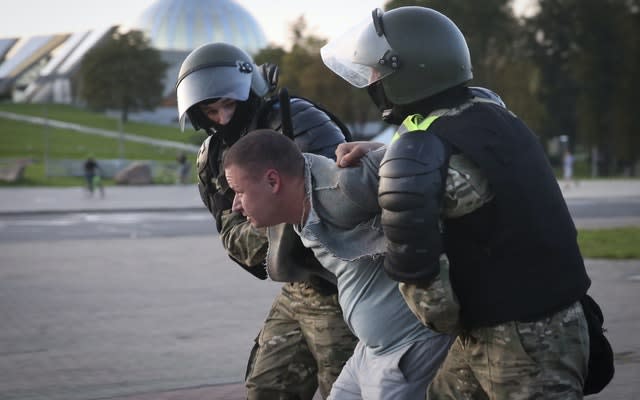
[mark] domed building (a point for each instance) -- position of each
(183, 25)
(41, 69)
(175, 27)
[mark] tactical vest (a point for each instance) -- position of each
(517, 257)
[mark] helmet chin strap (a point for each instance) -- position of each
(386, 108)
(392, 116)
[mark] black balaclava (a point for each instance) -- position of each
(239, 123)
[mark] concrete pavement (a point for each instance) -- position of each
(615, 283)
(167, 317)
(17, 200)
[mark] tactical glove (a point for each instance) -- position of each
(216, 202)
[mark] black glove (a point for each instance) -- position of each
(216, 202)
(221, 203)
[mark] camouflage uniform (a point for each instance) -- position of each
(304, 341)
(304, 335)
(434, 303)
(512, 360)
(518, 360)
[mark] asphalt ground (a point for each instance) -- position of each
(175, 197)
(202, 328)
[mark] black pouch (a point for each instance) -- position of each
(601, 368)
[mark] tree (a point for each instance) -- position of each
(123, 72)
(303, 73)
(606, 66)
(551, 40)
(588, 53)
(489, 27)
(495, 39)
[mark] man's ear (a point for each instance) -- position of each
(274, 180)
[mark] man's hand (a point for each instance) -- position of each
(349, 154)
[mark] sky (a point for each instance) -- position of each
(325, 18)
(31, 17)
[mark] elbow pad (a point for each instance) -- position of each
(412, 179)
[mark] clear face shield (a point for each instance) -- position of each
(216, 81)
(361, 55)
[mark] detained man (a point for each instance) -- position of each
(336, 214)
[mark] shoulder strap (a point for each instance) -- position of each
(269, 104)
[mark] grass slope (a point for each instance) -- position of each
(23, 140)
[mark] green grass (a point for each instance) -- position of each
(22, 140)
(34, 176)
(81, 116)
(25, 140)
(29, 141)
(613, 243)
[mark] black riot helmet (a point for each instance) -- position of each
(214, 71)
(402, 56)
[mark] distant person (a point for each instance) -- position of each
(567, 169)
(93, 176)
(183, 169)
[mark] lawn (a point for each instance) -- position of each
(37, 143)
(21, 140)
(613, 243)
(76, 115)
(25, 140)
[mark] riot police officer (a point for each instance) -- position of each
(466, 188)
(304, 341)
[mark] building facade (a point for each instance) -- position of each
(42, 68)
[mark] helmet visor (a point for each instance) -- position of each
(210, 83)
(359, 56)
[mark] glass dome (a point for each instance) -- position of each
(182, 25)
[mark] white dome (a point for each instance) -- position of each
(183, 25)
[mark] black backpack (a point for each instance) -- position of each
(601, 368)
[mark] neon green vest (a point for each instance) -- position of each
(413, 123)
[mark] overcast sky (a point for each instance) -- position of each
(326, 18)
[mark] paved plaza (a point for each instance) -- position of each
(173, 318)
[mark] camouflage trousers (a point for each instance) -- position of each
(544, 359)
(302, 346)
